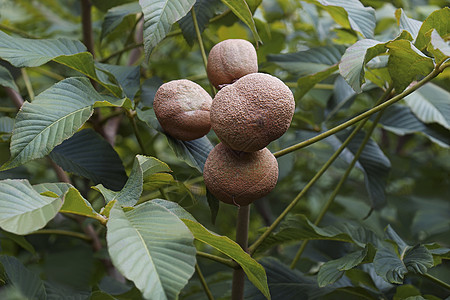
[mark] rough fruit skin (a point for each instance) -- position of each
(239, 178)
(250, 113)
(182, 108)
(229, 60)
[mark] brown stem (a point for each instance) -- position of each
(237, 289)
(15, 97)
(86, 19)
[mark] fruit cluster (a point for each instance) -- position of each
(250, 110)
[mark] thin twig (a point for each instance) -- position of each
(62, 232)
(238, 283)
(203, 281)
(17, 31)
(437, 281)
(27, 82)
(224, 261)
(15, 97)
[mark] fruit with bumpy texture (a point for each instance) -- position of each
(182, 108)
(250, 113)
(239, 178)
(229, 60)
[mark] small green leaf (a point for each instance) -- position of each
(418, 259)
(255, 272)
(55, 115)
(151, 247)
(159, 15)
(115, 16)
(437, 20)
(243, 12)
(28, 283)
(406, 63)
(6, 79)
(194, 152)
(304, 84)
(74, 203)
(22, 209)
(438, 47)
(388, 265)
(19, 240)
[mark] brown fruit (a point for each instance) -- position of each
(239, 178)
(182, 108)
(229, 60)
(250, 113)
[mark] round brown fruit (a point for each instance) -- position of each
(239, 178)
(229, 60)
(182, 108)
(250, 113)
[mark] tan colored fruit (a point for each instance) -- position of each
(239, 178)
(182, 108)
(229, 60)
(250, 113)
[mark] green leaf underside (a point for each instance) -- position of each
(438, 20)
(255, 272)
(6, 125)
(143, 169)
(27, 282)
(406, 63)
(115, 16)
(55, 115)
(6, 79)
(430, 104)
(153, 248)
(87, 154)
(22, 209)
(310, 61)
(350, 14)
(159, 16)
(194, 152)
(405, 23)
(438, 47)
(243, 12)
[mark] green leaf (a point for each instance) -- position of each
(22, 209)
(128, 78)
(405, 291)
(333, 270)
(151, 247)
(19, 240)
(350, 14)
(355, 58)
(143, 168)
(405, 23)
(438, 47)
(400, 120)
(55, 115)
(213, 204)
(406, 63)
(255, 272)
(28, 283)
(194, 152)
(6, 128)
(204, 11)
(304, 84)
(174, 208)
(59, 188)
(159, 15)
(243, 12)
(430, 104)
(373, 163)
(418, 259)
(6, 79)
(310, 61)
(438, 20)
(87, 154)
(74, 203)
(388, 265)
(115, 16)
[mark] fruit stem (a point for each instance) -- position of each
(86, 19)
(203, 281)
(437, 70)
(294, 202)
(202, 47)
(340, 184)
(237, 290)
(224, 261)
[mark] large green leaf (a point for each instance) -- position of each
(22, 209)
(194, 152)
(150, 246)
(159, 15)
(115, 16)
(87, 154)
(406, 63)
(255, 272)
(355, 58)
(431, 104)
(241, 9)
(438, 20)
(400, 120)
(143, 169)
(406, 23)
(6, 79)
(204, 11)
(22, 52)
(55, 115)
(350, 14)
(309, 61)
(374, 164)
(28, 283)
